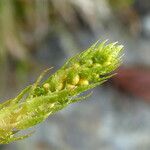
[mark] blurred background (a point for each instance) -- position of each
(36, 34)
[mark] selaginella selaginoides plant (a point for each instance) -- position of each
(35, 103)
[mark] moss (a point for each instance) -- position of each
(34, 104)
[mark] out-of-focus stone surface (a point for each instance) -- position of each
(107, 120)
